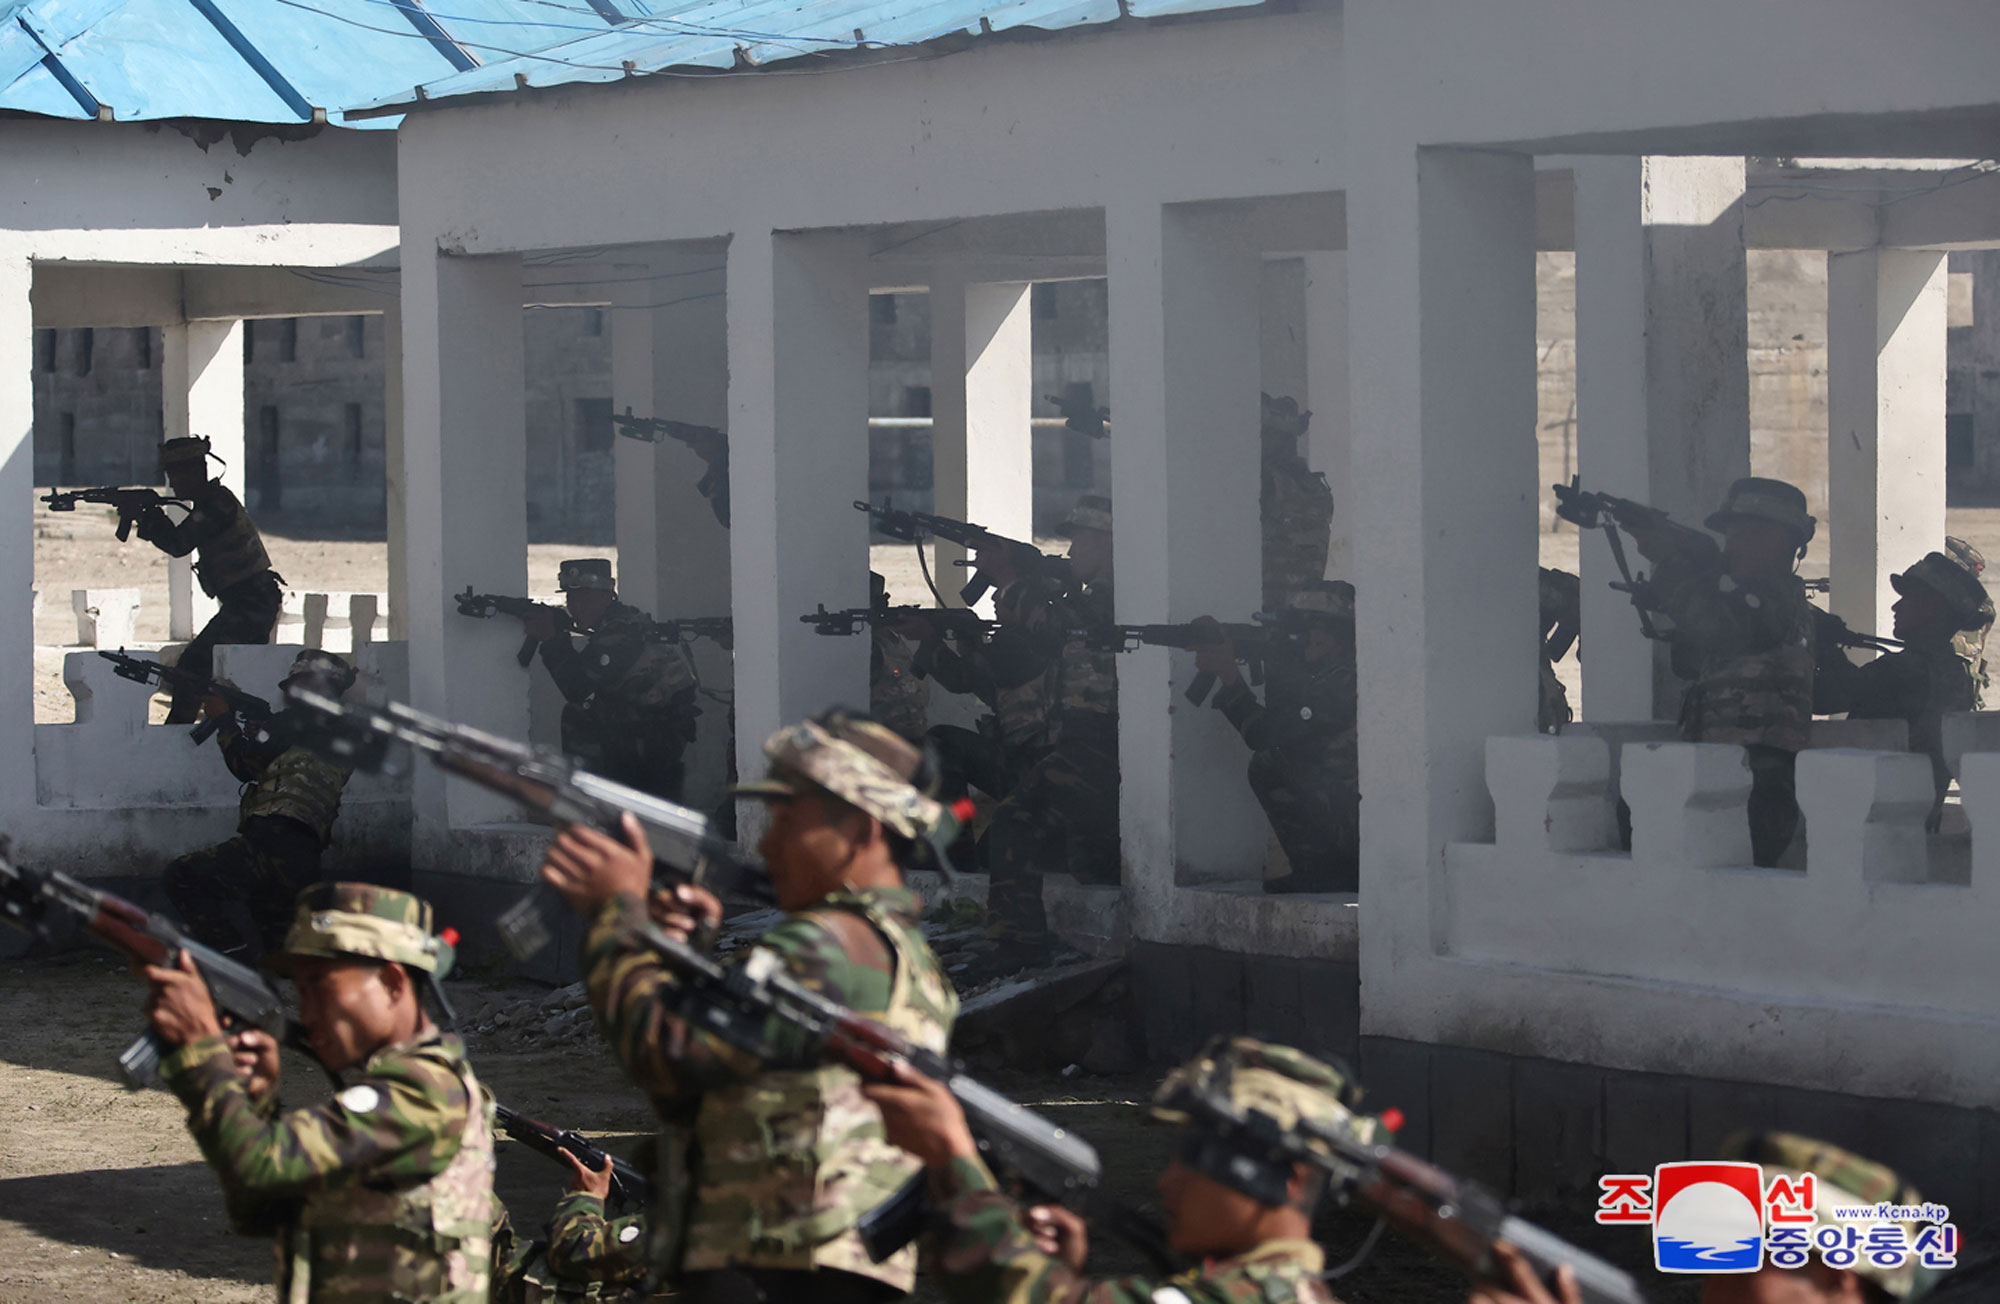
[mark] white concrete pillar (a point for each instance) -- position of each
(17, 522)
(395, 500)
(1885, 367)
(465, 517)
(982, 391)
(1662, 381)
(1184, 473)
(1442, 270)
(635, 511)
(1329, 435)
(691, 550)
(1281, 328)
(798, 433)
(201, 393)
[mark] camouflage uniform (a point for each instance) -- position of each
(986, 1255)
(897, 695)
(787, 1153)
(1928, 677)
(1843, 1181)
(1296, 505)
(1971, 644)
(384, 1192)
(1304, 766)
(584, 1254)
(629, 709)
(233, 568)
(1561, 617)
(1064, 810)
(291, 796)
(1748, 646)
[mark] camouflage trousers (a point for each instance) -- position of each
(643, 750)
(248, 614)
(1774, 801)
(265, 867)
(1317, 818)
(784, 1286)
(1063, 814)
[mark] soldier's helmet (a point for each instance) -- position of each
(1250, 1110)
(1760, 498)
(585, 573)
(323, 672)
(1330, 601)
(863, 763)
(1843, 1180)
(1092, 512)
(363, 921)
(1962, 593)
(1282, 418)
(1965, 554)
(187, 448)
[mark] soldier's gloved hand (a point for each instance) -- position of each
(996, 563)
(1523, 1287)
(1217, 658)
(213, 706)
(921, 1116)
(681, 910)
(1060, 1234)
(589, 868)
(590, 1181)
(180, 1007)
(256, 1054)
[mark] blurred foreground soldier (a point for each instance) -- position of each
(1063, 813)
(1303, 763)
(1561, 600)
(1938, 602)
(1246, 1218)
(1743, 633)
(291, 796)
(1296, 503)
(586, 1251)
(787, 1152)
(232, 565)
(1972, 643)
(385, 1192)
(629, 700)
(897, 695)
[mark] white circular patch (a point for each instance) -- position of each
(359, 1100)
(1169, 1295)
(604, 659)
(1305, 713)
(626, 1235)
(1752, 601)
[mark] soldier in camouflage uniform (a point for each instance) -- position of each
(384, 1192)
(586, 1251)
(1244, 1217)
(1561, 619)
(1063, 813)
(629, 699)
(897, 695)
(787, 1154)
(291, 796)
(1939, 601)
(1303, 764)
(233, 568)
(1743, 633)
(1296, 505)
(1971, 644)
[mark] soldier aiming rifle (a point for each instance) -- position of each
(708, 443)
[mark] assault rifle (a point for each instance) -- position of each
(247, 708)
(738, 1003)
(913, 526)
(961, 621)
(1831, 629)
(1253, 643)
(1079, 415)
(686, 848)
(629, 1187)
(683, 628)
(1590, 511)
(131, 503)
(706, 440)
(1456, 1220)
(485, 606)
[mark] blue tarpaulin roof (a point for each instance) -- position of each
(265, 60)
(723, 35)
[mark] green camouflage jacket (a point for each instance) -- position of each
(1297, 510)
(1307, 717)
(385, 1192)
(1008, 672)
(1748, 647)
(1084, 688)
(897, 696)
(217, 528)
(294, 783)
(788, 1154)
(1919, 684)
(621, 668)
(985, 1255)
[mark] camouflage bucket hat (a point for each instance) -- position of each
(585, 573)
(187, 448)
(364, 921)
(1092, 512)
(1756, 497)
(331, 672)
(1843, 1180)
(867, 765)
(1961, 591)
(1282, 417)
(1965, 554)
(1332, 599)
